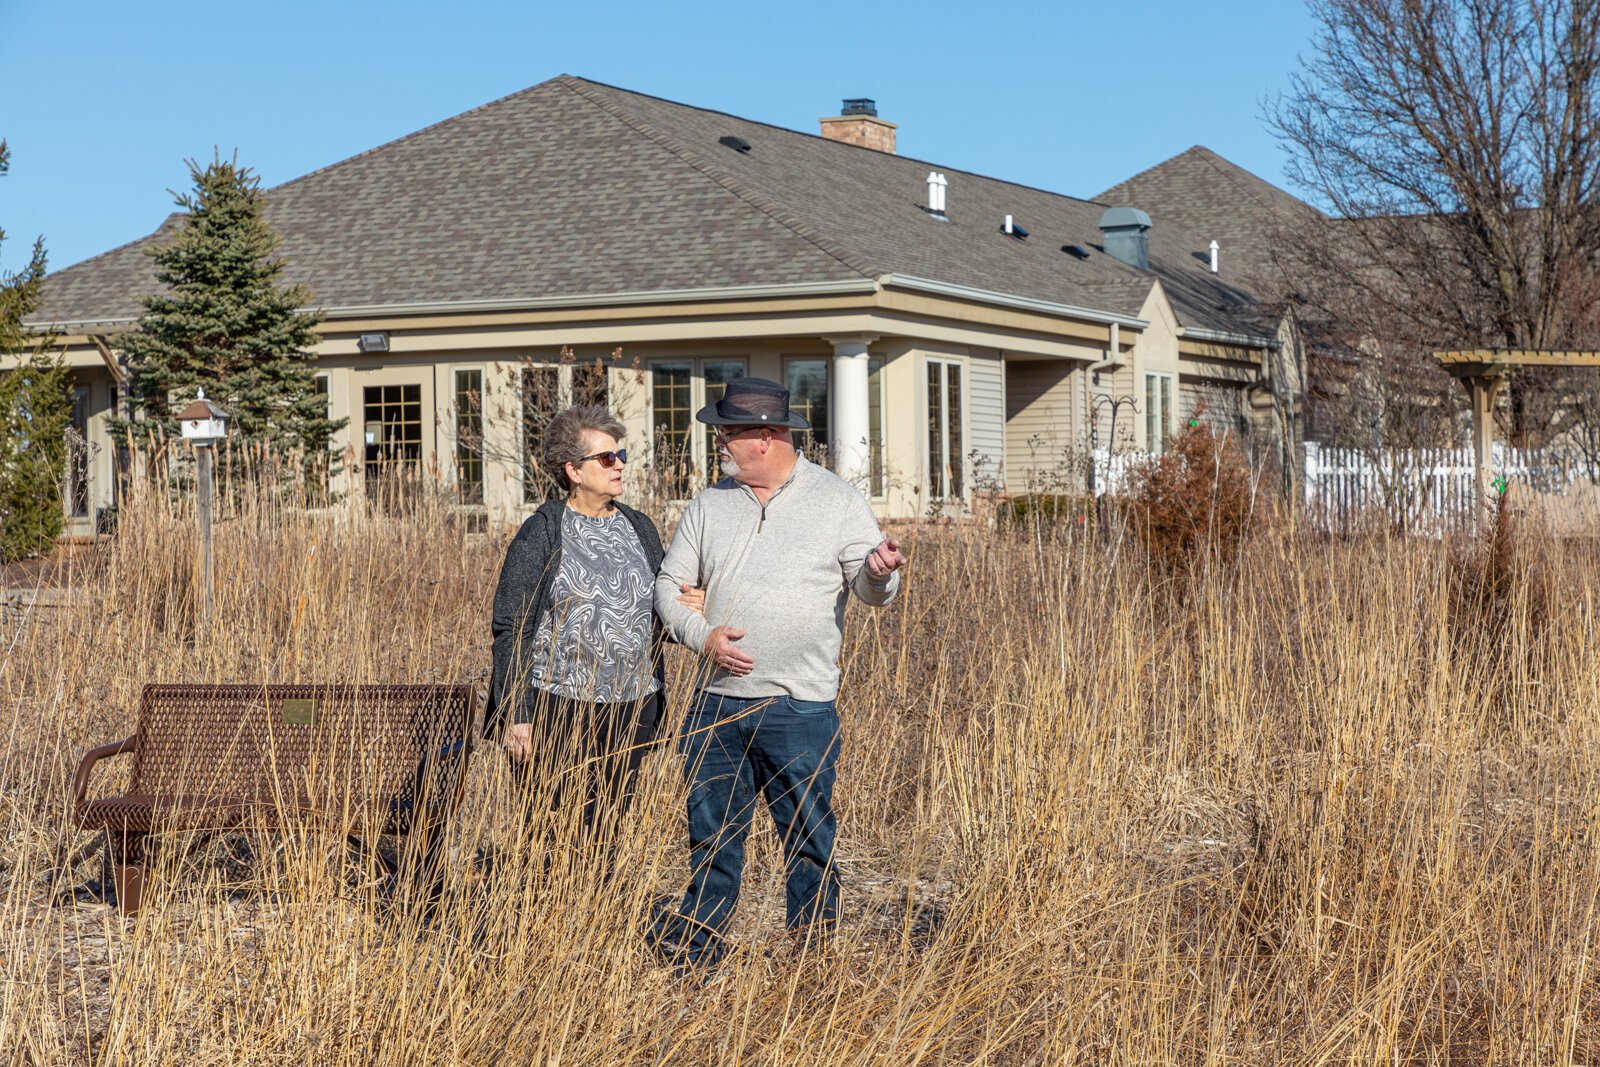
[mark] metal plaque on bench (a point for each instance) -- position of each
(299, 712)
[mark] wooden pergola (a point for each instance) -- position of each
(1482, 371)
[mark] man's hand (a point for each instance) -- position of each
(886, 558)
(519, 741)
(719, 649)
(692, 598)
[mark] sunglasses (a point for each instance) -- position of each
(607, 459)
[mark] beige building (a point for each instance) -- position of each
(950, 335)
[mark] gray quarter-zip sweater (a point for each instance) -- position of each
(781, 573)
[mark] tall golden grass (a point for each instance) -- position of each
(1297, 808)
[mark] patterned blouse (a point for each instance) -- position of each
(594, 643)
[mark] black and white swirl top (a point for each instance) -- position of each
(594, 642)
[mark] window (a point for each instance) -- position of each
(78, 454)
(548, 388)
(323, 392)
(945, 443)
(541, 399)
(716, 374)
(1157, 411)
(393, 420)
(469, 436)
(807, 380)
(392, 430)
(684, 451)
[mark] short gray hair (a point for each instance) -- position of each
(563, 436)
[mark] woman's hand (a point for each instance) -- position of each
(519, 741)
(694, 599)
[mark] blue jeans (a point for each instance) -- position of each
(734, 748)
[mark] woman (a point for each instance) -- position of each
(577, 647)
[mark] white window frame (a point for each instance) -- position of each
(935, 465)
(699, 434)
(1165, 394)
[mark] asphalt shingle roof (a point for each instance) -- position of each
(1204, 194)
(572, 188)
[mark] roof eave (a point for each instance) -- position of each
(987, 296)
(534, 303)
(1228, 337)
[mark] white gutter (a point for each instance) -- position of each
(986, 296)
(1224, 337)
(649, 296)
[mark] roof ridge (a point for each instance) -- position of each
(761, 203)
(1152, 168)
(842, 145)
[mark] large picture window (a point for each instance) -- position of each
(945, 419)
(683, 450)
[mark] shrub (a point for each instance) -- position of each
(1048, 508)
(1193, 501)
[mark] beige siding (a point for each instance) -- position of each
(1224, 403)
(986, 418)
(1042, 442)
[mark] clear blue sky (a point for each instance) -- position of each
(102, 102)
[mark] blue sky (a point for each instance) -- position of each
(102, 102)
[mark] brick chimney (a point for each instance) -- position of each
(858, 123)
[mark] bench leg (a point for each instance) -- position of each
(127, 868)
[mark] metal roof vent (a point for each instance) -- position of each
(936, 189)
(860, 106)
(1215, 249)
(738, 144)
(1010, 227)
(1076, 251)
(1127, 235)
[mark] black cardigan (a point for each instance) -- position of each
(522, 596)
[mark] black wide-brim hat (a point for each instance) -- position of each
(753, 402)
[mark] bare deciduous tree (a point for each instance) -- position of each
(1457, 145)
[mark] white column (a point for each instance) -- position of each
(849, 423)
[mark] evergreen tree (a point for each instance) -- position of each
(35, 411)
(227, 323)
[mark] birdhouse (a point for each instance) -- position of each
(203, 422)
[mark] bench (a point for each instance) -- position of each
(361, 760)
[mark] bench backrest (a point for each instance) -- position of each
(318, 746)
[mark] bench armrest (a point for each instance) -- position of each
(80, 783)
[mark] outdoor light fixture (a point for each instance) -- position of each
(373, 342)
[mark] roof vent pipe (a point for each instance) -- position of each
(1127, 235)
(1007, 227)
(1215, 248)
(936, 191)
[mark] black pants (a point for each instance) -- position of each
(586, 755)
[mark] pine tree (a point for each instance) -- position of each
(35, 411)
(227, 323)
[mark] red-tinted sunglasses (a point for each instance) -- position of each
(607, 459)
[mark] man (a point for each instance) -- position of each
(777, 544)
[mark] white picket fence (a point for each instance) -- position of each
(1426, 490)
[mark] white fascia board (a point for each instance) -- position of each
(539, 303)
(1026, 303)
(1224, 337)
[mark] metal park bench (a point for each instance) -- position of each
(359, 760)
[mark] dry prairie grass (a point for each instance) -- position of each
(1290, 816)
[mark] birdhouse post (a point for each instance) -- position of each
(204, 424)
